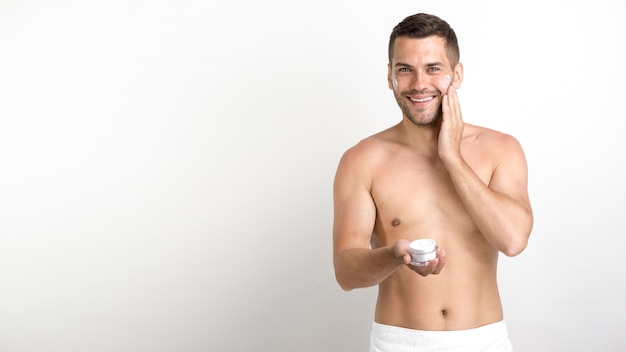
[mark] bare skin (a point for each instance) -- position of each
(430, 176)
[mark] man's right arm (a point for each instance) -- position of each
(356, 265)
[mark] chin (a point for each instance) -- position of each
(425, 121)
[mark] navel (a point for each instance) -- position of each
(395, 222)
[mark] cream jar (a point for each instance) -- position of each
(422, 251)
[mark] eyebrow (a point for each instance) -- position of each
(433, 64)
(430, 64)
(402, 64)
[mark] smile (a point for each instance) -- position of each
(423, 100)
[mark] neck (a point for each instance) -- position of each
(422, 138)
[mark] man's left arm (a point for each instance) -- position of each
(501, 209)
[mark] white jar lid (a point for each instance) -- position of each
(423, 246)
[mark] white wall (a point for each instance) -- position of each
(166, 168)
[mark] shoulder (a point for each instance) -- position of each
(490, 139)
(360, 162)
(499, 155)
(490, 153)
(370, 149)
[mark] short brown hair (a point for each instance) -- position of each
(423, 25)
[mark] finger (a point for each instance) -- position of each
(441, 254)
(441, 260)
(451, 91)
(440, 266)
(422, 270)
(453, 102)
(445, 106)
(432, 265)
(430, 268)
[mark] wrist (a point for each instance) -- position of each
(451, 160)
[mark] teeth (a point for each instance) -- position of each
(421, 100)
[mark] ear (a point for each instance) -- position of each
(458, 75)
(389, 81)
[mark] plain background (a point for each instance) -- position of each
(166, 168)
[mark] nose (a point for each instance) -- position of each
(420, 80)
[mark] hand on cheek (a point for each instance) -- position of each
(452, 126)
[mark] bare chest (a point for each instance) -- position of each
(415, 198)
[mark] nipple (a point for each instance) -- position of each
(395, 222)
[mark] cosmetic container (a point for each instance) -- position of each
(422, 251)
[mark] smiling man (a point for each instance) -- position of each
(430, 176)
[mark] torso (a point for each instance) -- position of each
(415, 198)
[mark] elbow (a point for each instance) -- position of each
(342, 274)
(515, 248)
(344, 286)
(516, 245)
(518, 239)
(343, 283)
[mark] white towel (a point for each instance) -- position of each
(488, 338)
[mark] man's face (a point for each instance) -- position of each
(419, 76)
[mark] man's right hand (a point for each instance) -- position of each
(434, 266)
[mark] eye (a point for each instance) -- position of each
(434, 69)
(404, 69)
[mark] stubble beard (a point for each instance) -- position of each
(424, 118)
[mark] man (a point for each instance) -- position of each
(430, 176)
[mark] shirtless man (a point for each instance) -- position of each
(430, 176)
